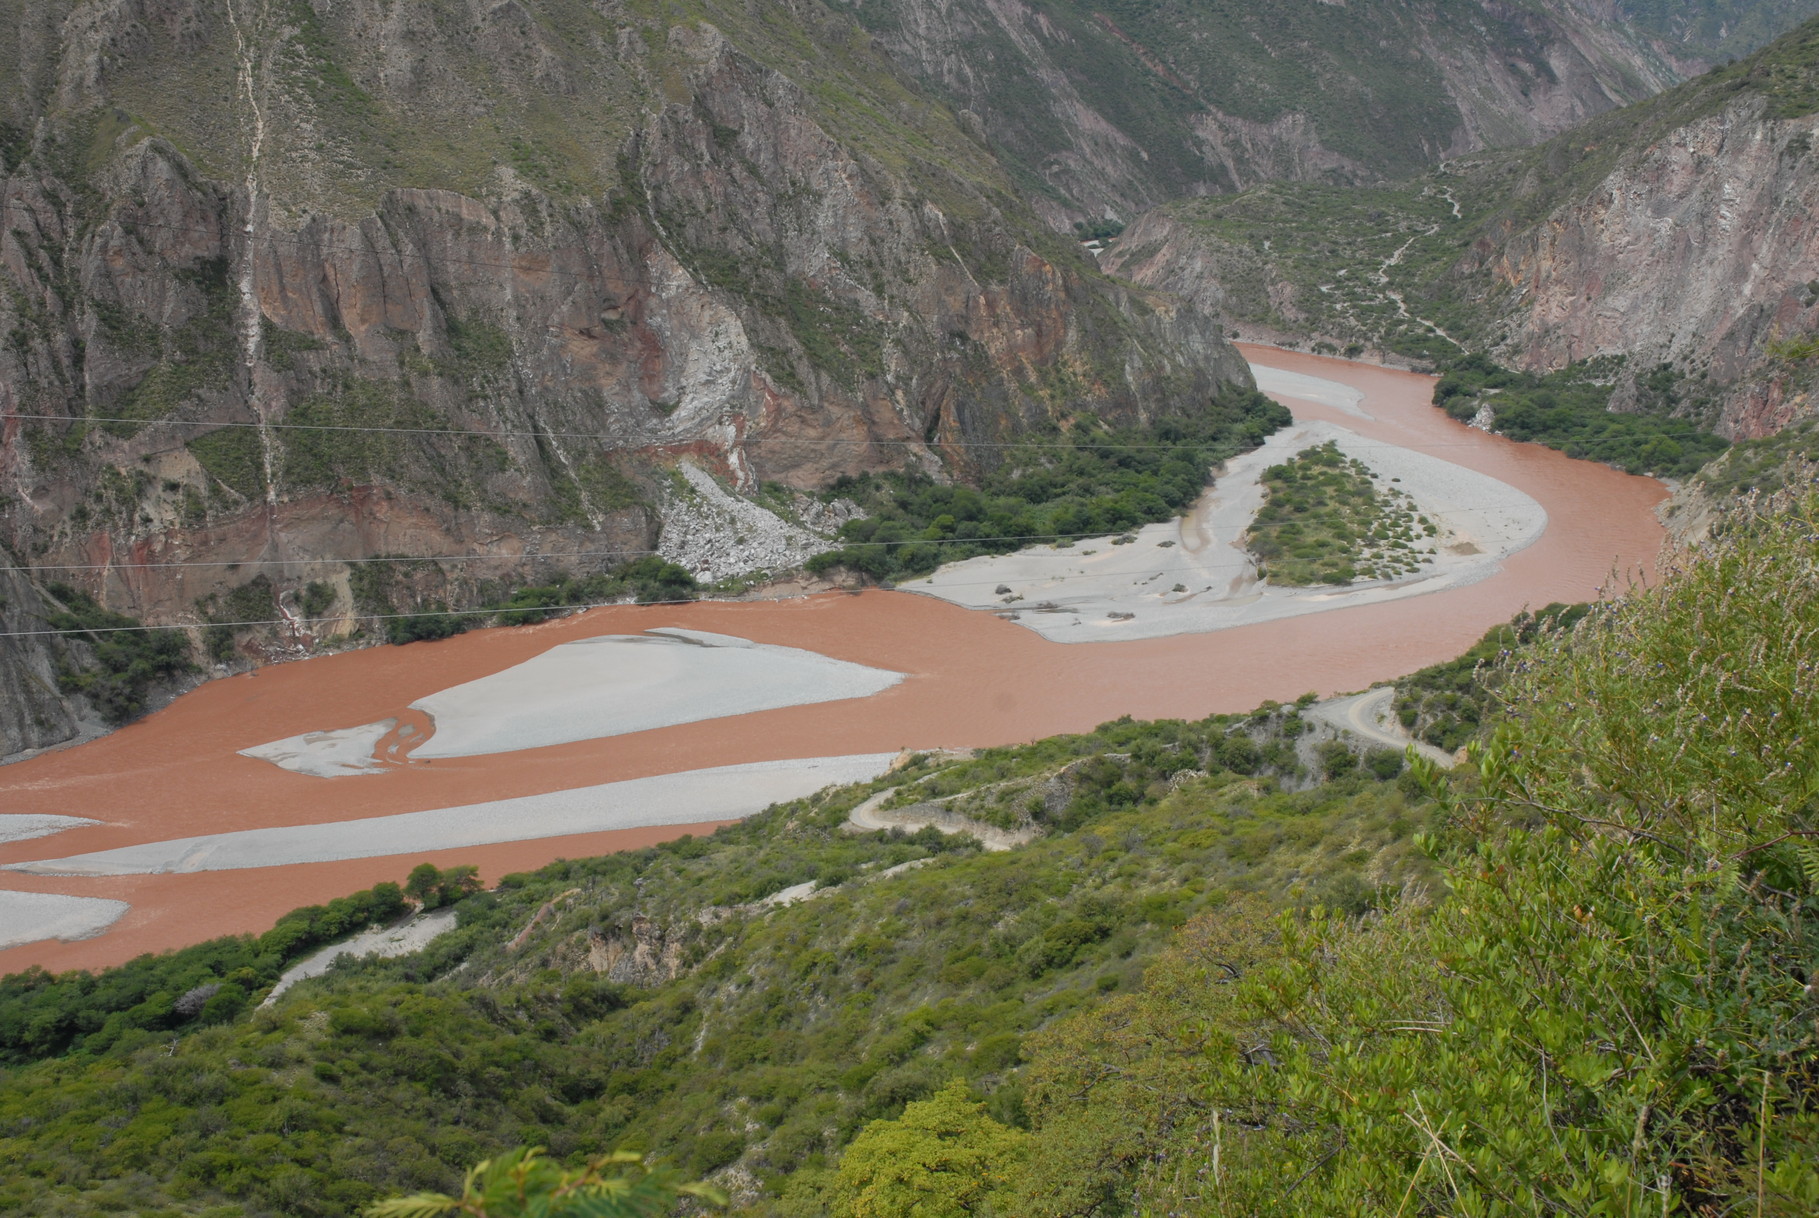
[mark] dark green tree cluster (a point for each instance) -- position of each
(1448, 704)
(1087, 480)
(380, 588)
(1568, 411)
(115, 663)
(44, 1015)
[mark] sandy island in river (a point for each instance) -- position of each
(1192, 575)
(971, 680)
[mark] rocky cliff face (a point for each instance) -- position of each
(1699, 250)
(545, 253)
(1674, 244)
(1104, 110)
(33, 711)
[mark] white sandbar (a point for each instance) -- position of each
(621, 683)
(1336, 394)
(330, 754)
(691, 797)
(29, 917)
(18, 827)
(1193, 575)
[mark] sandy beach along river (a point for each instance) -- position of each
(170, 800)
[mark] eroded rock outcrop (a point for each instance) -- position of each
(1106, 112)
(1700, 249)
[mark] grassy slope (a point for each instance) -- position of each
(1611, 1015)
(1356, 72)
(1310, 235)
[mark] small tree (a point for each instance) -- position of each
(944, 1158)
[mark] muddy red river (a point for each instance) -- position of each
(974, 680)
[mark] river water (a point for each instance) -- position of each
(973, 680)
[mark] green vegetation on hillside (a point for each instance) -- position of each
(1566, 410)
(1326, 520)
(1088, 479)
(1603, 1009)
(764, 1035)
(1348, 254)
(1763, 464)
(114, 663)
(1451, 703)
(1611, 1015)
(525, 1183)
(146, 1001)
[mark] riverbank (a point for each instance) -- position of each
(970, 679)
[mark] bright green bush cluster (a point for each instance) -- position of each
(1325, 520)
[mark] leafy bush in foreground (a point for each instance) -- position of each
(1611, 1015)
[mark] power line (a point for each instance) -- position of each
(1025, 542)
(554, 609)
(536, 432)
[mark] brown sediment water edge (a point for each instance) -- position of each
(974, 680)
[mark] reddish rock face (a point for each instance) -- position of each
(1701, 248)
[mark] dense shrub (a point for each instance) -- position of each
(1090, 479)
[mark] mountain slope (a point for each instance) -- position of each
(551, 251)
(1668, 248)
(1104, 109)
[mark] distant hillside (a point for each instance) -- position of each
(1669, 249)
(1103, 110)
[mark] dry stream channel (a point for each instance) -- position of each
(621, 727)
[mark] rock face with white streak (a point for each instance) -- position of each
(741, 275)
(547, 259)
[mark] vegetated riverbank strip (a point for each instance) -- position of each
(974, 680)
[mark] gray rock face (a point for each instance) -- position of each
(782, 266)
(1700, 248)
(33, 713)
(1109, 111)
